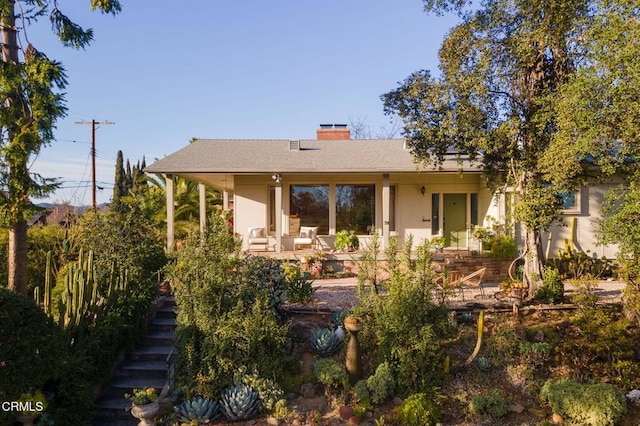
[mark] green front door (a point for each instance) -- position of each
(455, 220)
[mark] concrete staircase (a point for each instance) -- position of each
(146, 367)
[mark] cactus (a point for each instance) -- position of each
(324, 342)
(202, 410)
(240, 402)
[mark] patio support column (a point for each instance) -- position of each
(170, 211)
(279, 215)
(332, 209)
(386, 212)
(203, 207)
(225, 200)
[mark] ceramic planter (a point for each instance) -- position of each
(146, 413)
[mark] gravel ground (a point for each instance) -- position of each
(335, 294)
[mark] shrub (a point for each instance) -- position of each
(407, 327)
(552, 290)
(300, 290)
(418, 410)
(331, 374)
(382, 384)
(361, 391)
(491, 404)
(228, 312)
(269, 391)
(599, 404)
(503, 247)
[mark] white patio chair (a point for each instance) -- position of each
(308, 237)
(258, 236)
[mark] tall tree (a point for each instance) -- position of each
(517, 80)
(119, 184)
(32, 101)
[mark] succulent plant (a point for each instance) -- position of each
(324, 342)
(337, 318)
(240, 402)
(200, 409)
(484, 364)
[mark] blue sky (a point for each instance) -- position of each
(167, 71)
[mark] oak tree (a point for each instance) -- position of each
(542, 95)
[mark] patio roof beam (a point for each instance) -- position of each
(279, 215)
(385, 210)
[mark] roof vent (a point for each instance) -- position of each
(294, 145)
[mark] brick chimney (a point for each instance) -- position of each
(333, 132)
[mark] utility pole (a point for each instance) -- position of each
(93, 156)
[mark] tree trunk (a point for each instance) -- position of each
(18, 257)
(533, 261)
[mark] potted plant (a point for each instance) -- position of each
(145, 405)
(36, 404)
(347, 241)
(439, 242)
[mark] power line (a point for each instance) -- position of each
(93, 156)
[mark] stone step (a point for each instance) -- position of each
(162, 324)
(166, 312)
(162, 337)
(121, 385)
(152, 369)
(112, 409)
(152, 353)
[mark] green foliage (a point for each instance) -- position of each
(491, 404)
(585, 296)
(35, 356)
(382, 384)
(324, 342)
(300, 290)
(142, 396)
(30, 343)
(347, 240)
(369, 270)
(418, 410)
(331, 374)
(127, 237)
(406, 327)
(599, 404)
(503, 247)
(240, 402)
(572, 263)
(619, 225)
(361, 391)
(552, 290)
(548, 119)
(228, 312)
(268, 391)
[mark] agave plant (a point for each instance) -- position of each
(200, 409)
(484, 364)
(324, 342)
(240, 402)
(337, 318)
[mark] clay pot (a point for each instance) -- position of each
(557, 419)
(355, 420)
(346, 412)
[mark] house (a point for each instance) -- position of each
(335, 183)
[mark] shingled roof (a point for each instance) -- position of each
(238, 156)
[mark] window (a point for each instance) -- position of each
(355, 208)
(435, 214)
(474, 209)
(310, 204)
(570, 202)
